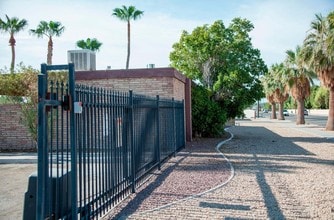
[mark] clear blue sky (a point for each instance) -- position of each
(279, 25)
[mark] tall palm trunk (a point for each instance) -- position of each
(280, 111)
(12, 42)
(128, 56)
(330, 120)
(300, 120)
(273, 110)
(50, 48)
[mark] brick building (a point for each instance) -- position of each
(165, 82)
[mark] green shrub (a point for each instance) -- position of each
(208, 118)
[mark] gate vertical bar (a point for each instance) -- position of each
(42, 165)
(73, 141)
(174, 127)
(132, 145)
(183, 124)
(158, 133)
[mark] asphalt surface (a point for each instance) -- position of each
(312, 119)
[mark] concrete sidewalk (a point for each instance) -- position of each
(281, 171)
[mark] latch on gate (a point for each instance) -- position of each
(66, 103)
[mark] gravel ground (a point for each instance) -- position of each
(196, 169)
(281, 172)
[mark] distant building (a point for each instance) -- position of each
(84, 60)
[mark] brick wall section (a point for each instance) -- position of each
(14, 135)
(145, 86)
(165, 82)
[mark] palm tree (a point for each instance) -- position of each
(269, 91)
(272, 102)
(277, 87)
(53, 28)
(12, 26)
(126, 14)
(319, 55)
(90, 44)
(299, 79)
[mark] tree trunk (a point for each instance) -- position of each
(300, 119)
(330, 120)
(50, 49)
(280, 111)
(128, 56)
(273, 111)
(12, 42)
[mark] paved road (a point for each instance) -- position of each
(319, 120)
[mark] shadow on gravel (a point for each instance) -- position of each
(214, 205)
(195, 170)
(134, 204)
(259, 150)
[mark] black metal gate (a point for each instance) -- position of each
(95, 146)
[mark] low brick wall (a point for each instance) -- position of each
(14, 136)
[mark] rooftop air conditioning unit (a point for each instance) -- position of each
(150, 66)
(83, 59)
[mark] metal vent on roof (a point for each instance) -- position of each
(82, 59)
(150, 66)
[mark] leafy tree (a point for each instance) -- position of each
(299, 79)
(321, 98)
(207, 116)
(223, 60)
(309, 102)
(22, 82)
(126, 14)
(12, 26)
(51, 29)
(13, 83)
(90, 44)
(290, 103)
(319, 55)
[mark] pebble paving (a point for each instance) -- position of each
(279, 172)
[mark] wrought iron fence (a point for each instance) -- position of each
(96, 146)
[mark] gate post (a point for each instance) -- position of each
(71, 83)
(42, 165)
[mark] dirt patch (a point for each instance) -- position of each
(14, 183)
